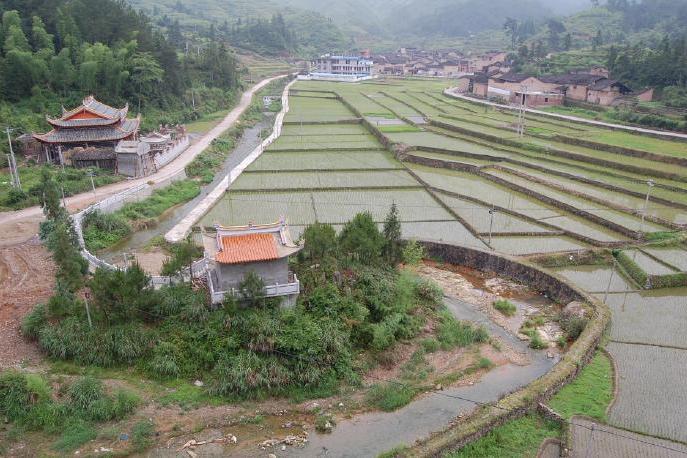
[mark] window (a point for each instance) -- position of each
(546, 100)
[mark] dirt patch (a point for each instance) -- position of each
(26, 279)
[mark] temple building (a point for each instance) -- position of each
(262, 249)
(93, 124)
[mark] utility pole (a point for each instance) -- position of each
(492, 211)
(522, 109)
(90, 174)
(610, 280)
(650, 185)
(88, 310)
(16, 181)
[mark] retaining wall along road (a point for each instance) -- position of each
(525, 400)
(183, 228)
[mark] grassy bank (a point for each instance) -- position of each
(589, 394)
(102, 230)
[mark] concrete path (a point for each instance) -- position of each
(21, 225)
(452, 92)
(370, 434)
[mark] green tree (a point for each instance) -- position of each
(183, 255)
(392, 236)
(121, 296)
(511, 28)
(42, 40)
(71, 266)
(320, 243)
(62, 72)
(146, 74)
(361, 239)
(252, 289)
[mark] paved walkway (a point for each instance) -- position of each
(453, 92)
(21, 225)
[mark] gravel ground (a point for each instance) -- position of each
(651, 395)
(610, 442)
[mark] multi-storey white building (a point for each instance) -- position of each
(341, 68)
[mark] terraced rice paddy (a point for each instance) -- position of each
(322, 180)
(652, 318)
(323, 170)
(651, 390)
(675, 257)
(530, 245)
(608, 442)
(650, 265)
(596, 279)
(326, 160)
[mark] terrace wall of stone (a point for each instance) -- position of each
(556, 152)
(597, 200)
(525, 400)
(621, 150)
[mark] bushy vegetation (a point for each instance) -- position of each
(355, 303)
(27, 401)
(71, 180)
(101, 230)
(631, 268)
(505, 306)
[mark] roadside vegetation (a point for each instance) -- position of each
(71, 180)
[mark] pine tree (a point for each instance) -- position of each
(392, 236)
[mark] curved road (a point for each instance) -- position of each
(18, 226)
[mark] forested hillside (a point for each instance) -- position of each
(54, 52)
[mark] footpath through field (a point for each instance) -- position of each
(19, 226)
(452, 92)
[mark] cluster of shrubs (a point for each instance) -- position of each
(28, 401)
(648, 119)
(354, 299)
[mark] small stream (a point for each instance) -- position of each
(139, 239)
(377, 432)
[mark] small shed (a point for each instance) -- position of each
(262, 249)
(134, 158)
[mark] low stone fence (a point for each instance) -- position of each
(519, 403)
(172, 153)
(116, 202)
(183, 228)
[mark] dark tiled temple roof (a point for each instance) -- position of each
(121, 131)
(91, 105)
(92, 122)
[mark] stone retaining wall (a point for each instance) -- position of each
(621, 150)
(519, 403)
(557, 152)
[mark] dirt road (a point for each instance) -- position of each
(21, 225)
(26, 279)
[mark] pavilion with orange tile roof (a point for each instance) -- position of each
(263, 249)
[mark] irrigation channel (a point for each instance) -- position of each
(250, 139)
(374, 433)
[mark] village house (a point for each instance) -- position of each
(592, 86)
(93, 124)
(262, 249)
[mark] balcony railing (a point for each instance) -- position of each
(276, 290)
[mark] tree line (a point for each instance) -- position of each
(54, 52)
